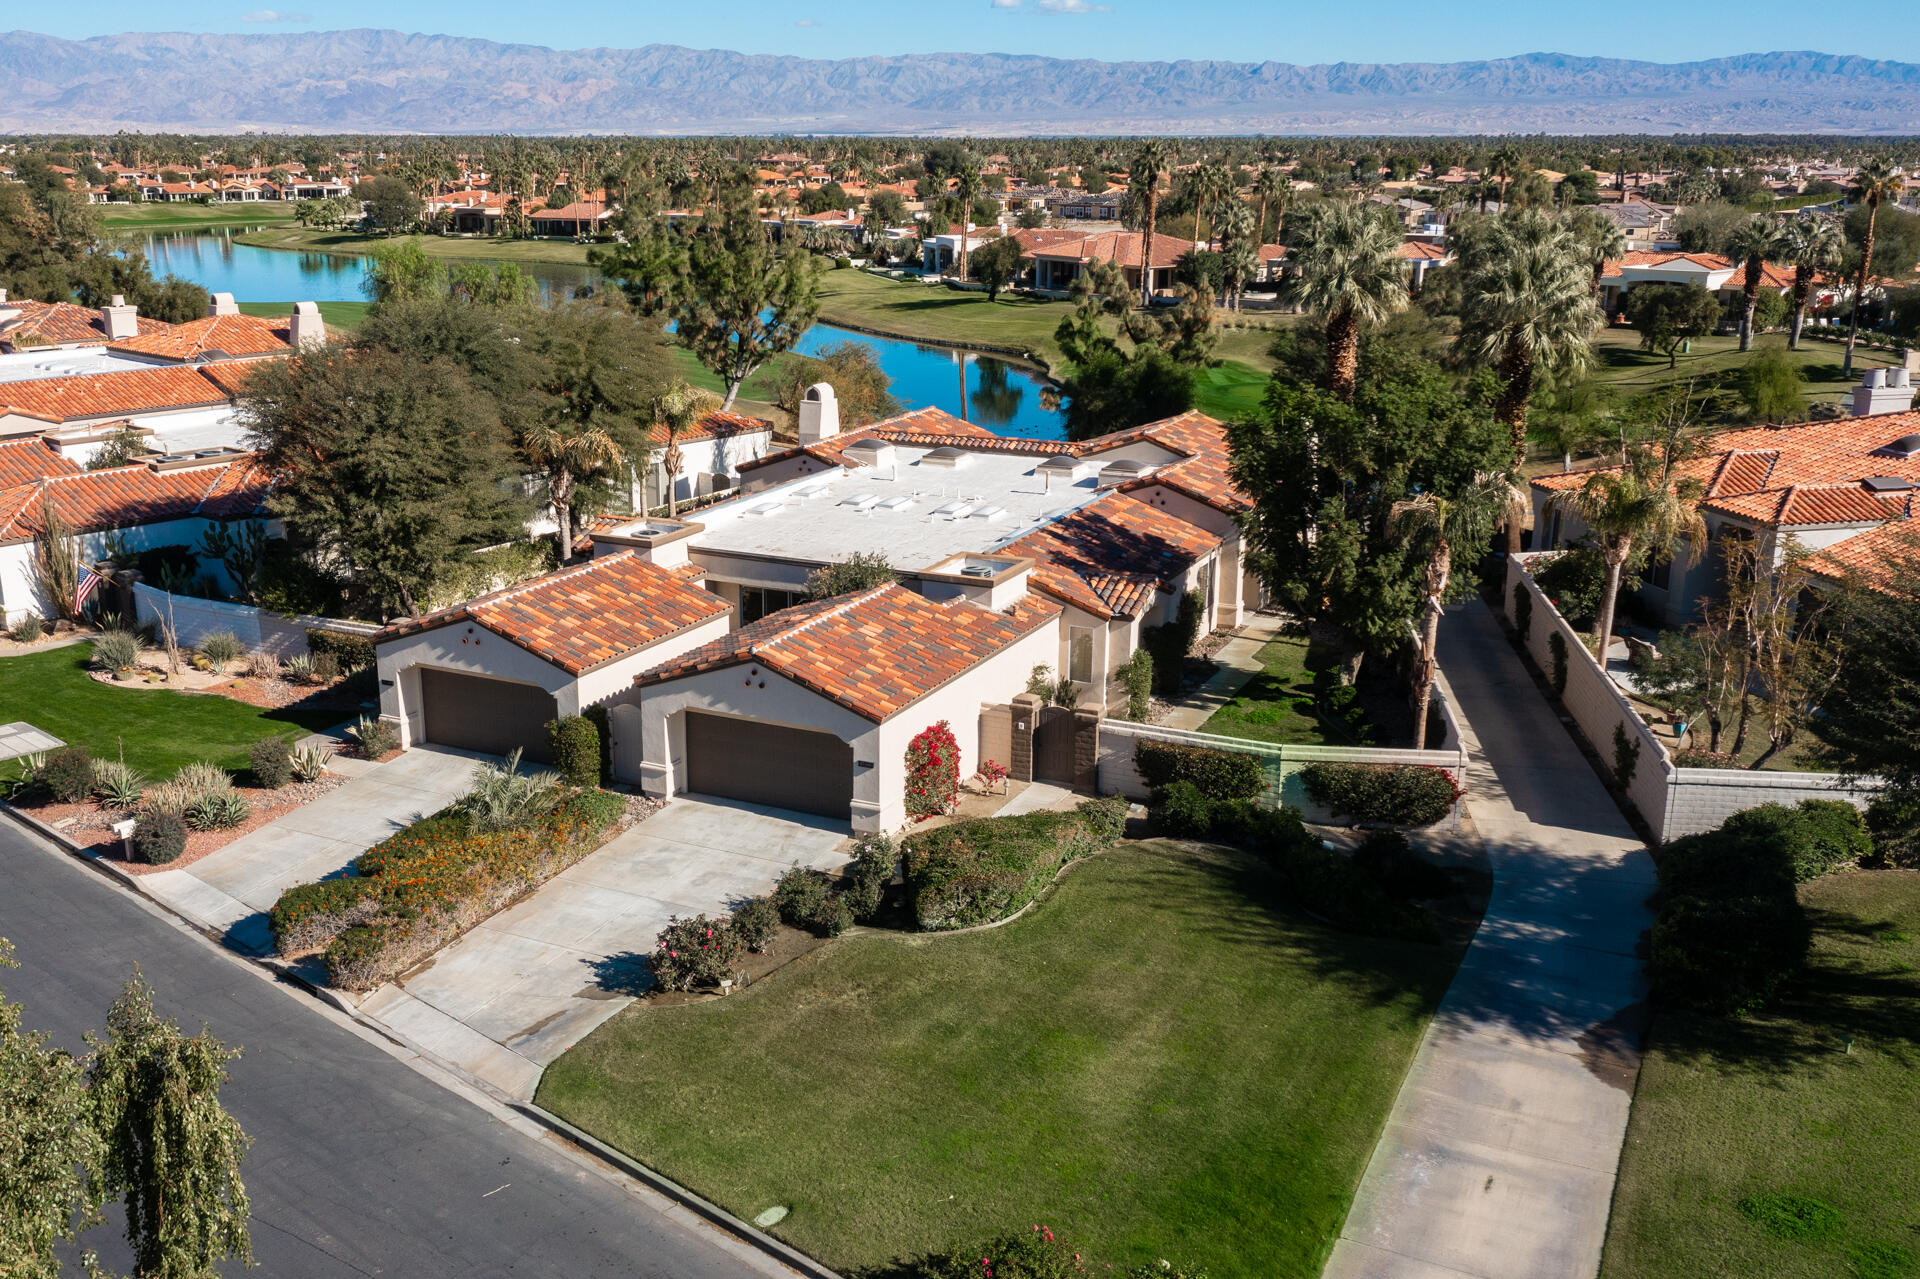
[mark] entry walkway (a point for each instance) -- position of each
(1239, 660)
(1499, 1156)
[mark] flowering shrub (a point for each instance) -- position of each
(756, 923)
(993, 773)
(694, 952)
(933, 772)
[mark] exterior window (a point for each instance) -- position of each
(1080, 654)
(1660, 573)
(756, 602)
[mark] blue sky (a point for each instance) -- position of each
(1238, 30)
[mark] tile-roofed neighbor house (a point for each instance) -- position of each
(584, 616)
(1109, 556)
(219, 336)
(103, 396)
(123, 496)
(875, 652)
(30, 460)
(35, 326)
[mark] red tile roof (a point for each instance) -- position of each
(62, 324)
(94, 501)
(1799, 505)
(1122, 247)
(585, 616)
(26, 461)
(875, 653)
(1772, 275)
(66, 399)
(921, 425)
(1109, 556)
(238, 336)
(1873, 557)
(715, 426)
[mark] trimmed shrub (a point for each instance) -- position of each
(309, 916)
(220, 648)
(1106, 817)
(68, 774)
(271, 759)
(1137, 678)
(158, 838)
(874, 861)
(1179, 811)
(1574, 582)
(835, 917)
(116, 651)
(326, 668)
(1400, 794)
(575, 744)
(375, 736)
(602, 722)
(1719, 863)
(1402, 874)
(349, 652)
(1217, 774)
(1726, 954)
(756, 923)
(1557, 653)
(693, 952)
(1522, 610)
(1837, 836)
(1626, 756)
(29, 628)
(979, 871)
(800, 894)
(1895, 826)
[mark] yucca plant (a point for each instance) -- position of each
(310, 761)
(219, 649)
(263, 665)
(117, 784)
(218, 811)
(500, 796)
(116, 651)
(298, 668)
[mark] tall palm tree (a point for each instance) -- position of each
(1345, 255)
(1212, 186)
(1752, 243)
(1440, 524)
(1150, 162)
(1603, 241)
(966, 179)
(1274, 190)
(1642, 506)
(1876, 182)
(676, 409)
(1813, 245)
(1504, 164)
(1526, 294)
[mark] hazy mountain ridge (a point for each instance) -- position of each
(389, 81)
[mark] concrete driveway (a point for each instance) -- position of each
(233, 888)
(534, 980)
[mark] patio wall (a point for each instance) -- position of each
(256, 628)
(1672, 801)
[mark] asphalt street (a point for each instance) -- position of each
(361, 1165)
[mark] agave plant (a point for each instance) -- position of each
(298, 668)
(310, 761)
(116, 783)
(501, 796)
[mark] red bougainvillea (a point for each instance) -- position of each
(933, 772)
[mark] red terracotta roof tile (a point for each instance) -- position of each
(714, 426)
(238, 336)
(66, 399)
(94, 501)
(1111, 554)
(31, 460)
(1800, 505)
(585, 616)
(62, 324)
(1873, 557)
(876, 652)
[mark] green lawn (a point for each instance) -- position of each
(353, 244)
(1162, 1060)
(160, 730)
(1716, 362)
(338, 315)
(1277, 704)
(1815, 1098)
(935, 313)
(173, 217)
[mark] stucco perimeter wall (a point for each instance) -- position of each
(1701, 798)
(1594, 701)
(194, 619)
(1284, 764)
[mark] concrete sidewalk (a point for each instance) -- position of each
(1499, 1157)
(1239, 660)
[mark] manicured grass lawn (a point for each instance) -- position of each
(935, 313)
(1815, 1098)
(1277, 704)
(338, 315)
(1162, 1060)
(1716, 362)
(160, 730)
(168, 217)
(1229, 390)
(352, 243)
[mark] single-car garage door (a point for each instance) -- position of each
(769, 764)
(492, 716)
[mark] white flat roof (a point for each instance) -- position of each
(196, 429)
(827, 516)
(31, 366)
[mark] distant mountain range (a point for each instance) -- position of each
(387, 81)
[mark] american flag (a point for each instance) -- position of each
(89, 583)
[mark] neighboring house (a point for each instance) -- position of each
(581, 218)
(1057, 264)
(712, 451)
(225, 334)
(488, 674)
(40, 327)
(146, 395)
(1836, 487)
(1420, 257)
(165, 501)
(1104, 207)
(1715, 272)
(1645, 224)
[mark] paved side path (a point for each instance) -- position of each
(1498, 1159)
(1239, 660)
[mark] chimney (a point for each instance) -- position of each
(222, 304)
(306, 329)
(120, 320)
(819, 414)
(1883, 391)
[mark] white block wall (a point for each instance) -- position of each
(195, 619)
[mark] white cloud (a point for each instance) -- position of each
(1071, 6)
(275, 15)
(1008, 4)
(805, 22)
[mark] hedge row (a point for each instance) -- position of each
(1399, 794)
(1730, 930)
(1355, 894)
(351, 651)
(1218, 774)
(420, 888)
(978, 871)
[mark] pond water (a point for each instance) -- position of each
(998, 395)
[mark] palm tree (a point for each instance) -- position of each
(1504, 163)
(1273, 188)
(1212, 186)
(1527, 298)
(1813, 245)
(1603, 241)
(1345, 256)
(1150, 162)
(1642, 506)
(967, 187)
(1751, 243)
(675, 409)
(565, 448)
(1440, 524)
(1876, 182)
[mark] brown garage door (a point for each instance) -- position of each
(769, 764)
(492, 716)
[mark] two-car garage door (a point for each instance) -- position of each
(769, 764)
(492, 716)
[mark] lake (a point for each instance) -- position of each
(1000, 396)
